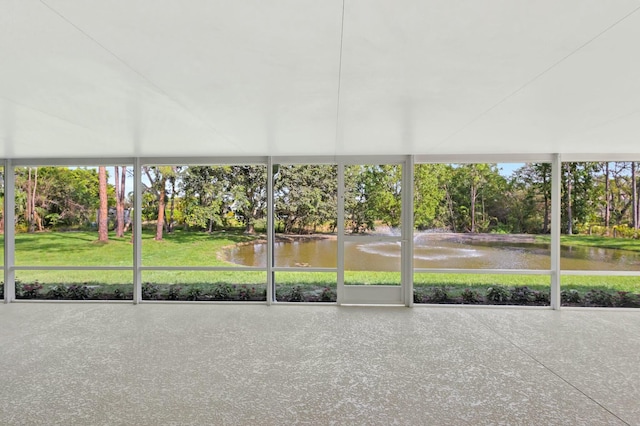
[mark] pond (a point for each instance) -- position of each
(436, 251)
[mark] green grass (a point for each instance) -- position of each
(188, 249)
(595, 241)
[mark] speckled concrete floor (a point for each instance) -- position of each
(94, 364)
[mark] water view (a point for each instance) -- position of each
(437, 251)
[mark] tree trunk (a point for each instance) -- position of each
(473, 208)
(607, 196)
(27, 213)
(120, 189)
(161, 206)
(569, 206)
(36, 218)
(172, 205)
(634, 195)
(103, 214)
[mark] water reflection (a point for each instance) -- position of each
(435, 252)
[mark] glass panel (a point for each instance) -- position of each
(204, 286)
(203, 215)
(372, 263)
(485, 289)
(305, 215)
(74, 285)
(373, 200)
(1, 221)
(491, 216)
(600, 206)
(600, 291)
(305, 286)
(58, 212)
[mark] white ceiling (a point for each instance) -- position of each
(85, 78)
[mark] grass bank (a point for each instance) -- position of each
(190, 249)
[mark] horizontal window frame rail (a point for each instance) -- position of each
(73, 162)
(582, 272)
(482, 271)
(204, 161)
(482, 158)
(70, 268)
(303, 269)
(373, 238)
(204, 268)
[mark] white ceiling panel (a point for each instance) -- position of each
(82, 78)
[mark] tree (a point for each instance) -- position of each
(429, 194)
(305, 196)
(203, 188)
(158, 176)
(120, 185)
(247, 187)
(103, 216)
(580, 195)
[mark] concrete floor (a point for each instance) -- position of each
(119, 364)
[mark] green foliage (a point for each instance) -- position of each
(497, 294)
(149, 291)
(194, 293)
(295, 295)
(570, 296)
(470, 296)
(305, 197)
(438, 295)
(173, 292)
(328, 295)
(28, 291)
(598, 298)
(222, 292)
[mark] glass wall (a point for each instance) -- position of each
(484, 217)
(481, 231)
(305, 242)
(201, 222)
(373, 224)
(2, 231)
(600, 226)
(73, 232)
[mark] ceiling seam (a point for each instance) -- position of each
(138, 73)
(536, 77)
(337, 138)
(48, 114)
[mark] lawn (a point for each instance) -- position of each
(595, 241)
(189, 249)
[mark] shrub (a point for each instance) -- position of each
(570, 297)
(222, 292)
(174, 292)
(29, 291)
(57, 292)
(119, 294)
(520, 295)
(79, 292)
(295, 295)
(598, 298)
(149, 291)
(328, 295)
(469, 296)
(439, 295)
(541, 297)
(497, 294)
(245, 293)
(194, 293)
(624, 299)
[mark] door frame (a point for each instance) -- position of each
(401, 295)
